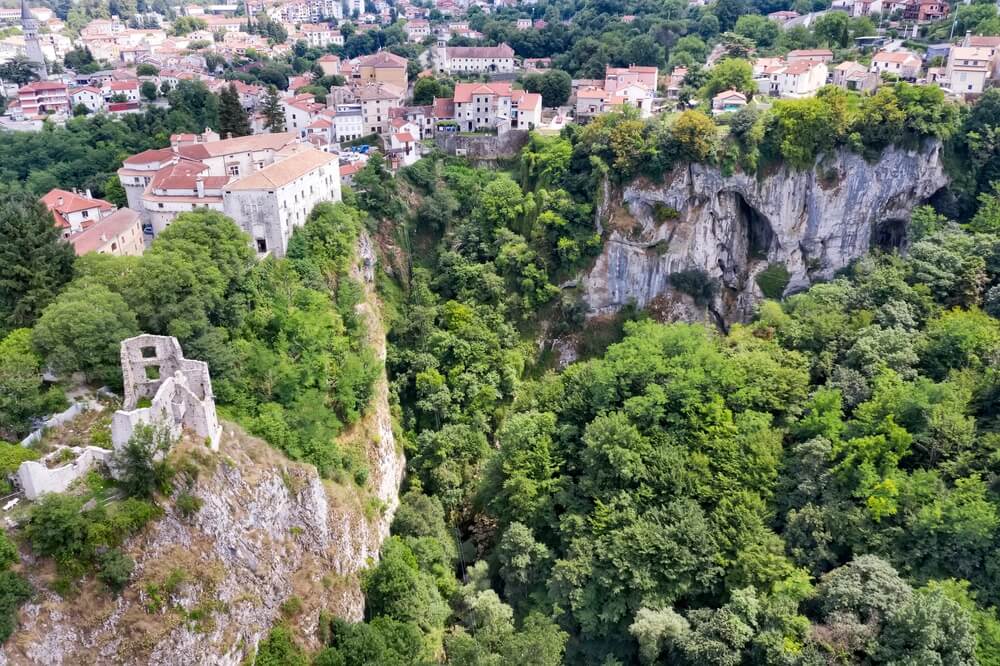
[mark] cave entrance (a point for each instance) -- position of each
(760, 235)
(889, 235)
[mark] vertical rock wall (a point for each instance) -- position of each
(812, 222)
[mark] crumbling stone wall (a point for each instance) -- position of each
(35, 478)
(179, 391)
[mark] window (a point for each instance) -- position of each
(261, 245)
(159, 205)
(85, 214)
(234, 169)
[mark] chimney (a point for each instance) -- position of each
(199, 184)
(59, 202)
(88, 194)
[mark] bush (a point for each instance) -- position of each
(188, 504)
(141, 464)
(115, 569)
(8, 552)
(14, 591)
(773, 280)
(280, 649)
(696, 284)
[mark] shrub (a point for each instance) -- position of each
(115, 569)
(141, 464)
(773, 280)
(14, 591)
(188, 504)
(280, 649)
(696, 284)
(291, 607)
(8, 552)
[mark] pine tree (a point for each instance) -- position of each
(35, 262)
(233, 119)
(273, 113)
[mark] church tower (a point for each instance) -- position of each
(29, 26)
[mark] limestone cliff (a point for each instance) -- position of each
(812, 222)
(208, 586)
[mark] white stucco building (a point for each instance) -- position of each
(269, 203)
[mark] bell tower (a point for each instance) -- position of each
(29, 26)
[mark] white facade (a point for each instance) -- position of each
(89, 97)
(349, 123)
(269, 204)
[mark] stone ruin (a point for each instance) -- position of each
(179, 395)
(178, 390)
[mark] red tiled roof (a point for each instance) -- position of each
(405, 137)
(502, 51)
(105, 229)
(465, 91)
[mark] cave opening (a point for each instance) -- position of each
(760, 235)
(889, 235)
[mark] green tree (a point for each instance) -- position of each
(274, 114)
(141, 466)
(149, 91)
(81, 331)
(233, 119)
(280, 649)
(694, 133)
(35, 262)
(730, 74)
(22, 395)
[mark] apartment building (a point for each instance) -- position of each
(616, 78)
(42, 98)
(119, 233)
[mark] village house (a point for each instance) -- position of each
(852, 75)
(728, 101)
(403, 143)
(376, 100)
(417, 30)
(525, 110)
(793, 80)
(815, 55)
(119, 233)
(618, 78)
(989, 42)
(90, 97)
(969, 69)
(329, 65)
(903, 64)
(75, 212)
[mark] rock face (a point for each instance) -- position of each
(209, 585)
(812, 222)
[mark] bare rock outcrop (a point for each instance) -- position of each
(812, 222)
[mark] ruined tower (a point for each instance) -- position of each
(29, 26)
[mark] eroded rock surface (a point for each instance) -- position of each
(812, 222)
